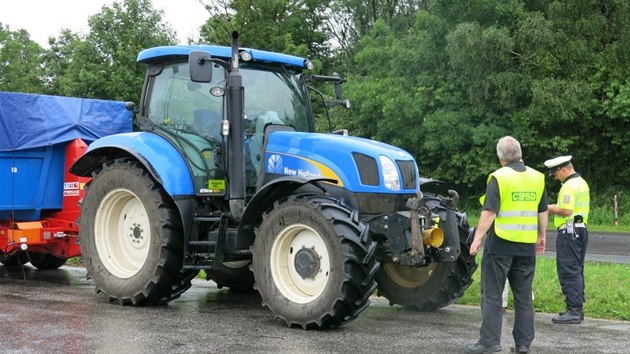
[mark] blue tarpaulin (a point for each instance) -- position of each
(30, 120)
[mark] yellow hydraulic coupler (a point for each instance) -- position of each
(433, 237)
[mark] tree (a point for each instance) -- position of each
(288, 26)
(103, 65)
(463, 74)
(57, 59)
(20, 66)
(350, 20)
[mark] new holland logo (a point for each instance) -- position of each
(274, 163)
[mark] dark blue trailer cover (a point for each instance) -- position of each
(30, 120)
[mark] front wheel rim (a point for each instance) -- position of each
(122, 233)
(289, 242)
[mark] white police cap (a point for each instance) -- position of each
(557, 163)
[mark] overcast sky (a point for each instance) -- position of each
(44, 18)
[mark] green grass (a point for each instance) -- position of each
(74, 262)
(606, 292)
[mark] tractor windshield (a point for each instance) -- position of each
(275, 93)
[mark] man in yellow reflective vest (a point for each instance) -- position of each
(514, 217)
(570, 218)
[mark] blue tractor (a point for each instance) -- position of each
(227, 175)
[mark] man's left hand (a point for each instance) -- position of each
(475, 246)
(540, 246)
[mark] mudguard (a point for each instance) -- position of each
(158, 155)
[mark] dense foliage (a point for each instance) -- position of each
(463, 74)
(442, 79)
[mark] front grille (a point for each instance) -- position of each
(368, 169)
(381, 203)
(408, 171)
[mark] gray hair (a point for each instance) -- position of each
(509, 149)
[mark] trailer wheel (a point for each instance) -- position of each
(131, 237)
(15, 260)
(431, 287)
(314, 263)
(41, 260)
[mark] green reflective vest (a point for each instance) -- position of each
(574, 195)
(519, 193)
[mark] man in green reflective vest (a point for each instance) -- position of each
(514, 217)
(570, 218)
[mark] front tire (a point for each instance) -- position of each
(431, 287)
(314, 263)
(131, 237)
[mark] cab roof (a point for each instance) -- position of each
(166, 53)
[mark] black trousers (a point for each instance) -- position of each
(520, 271)
(570, 253)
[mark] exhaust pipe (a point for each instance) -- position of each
(236, 146)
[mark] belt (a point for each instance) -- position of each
(577, 225)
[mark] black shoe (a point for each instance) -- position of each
(581, 314)
(478, 348)
(520, 349)
(572, 316)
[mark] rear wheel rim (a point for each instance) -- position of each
(409, 277)
(289, 282)
(122, 233)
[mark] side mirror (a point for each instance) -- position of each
(200, 66)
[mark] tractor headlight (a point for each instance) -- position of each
(390, 174)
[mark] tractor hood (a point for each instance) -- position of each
(356, 163)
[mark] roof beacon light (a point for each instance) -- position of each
(246, 56)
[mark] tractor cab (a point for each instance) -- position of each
(193, 115)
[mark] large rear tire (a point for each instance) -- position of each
(131, 237)
(428, 288)
(314, 263)
(41, 260)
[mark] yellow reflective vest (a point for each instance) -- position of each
(574, 195)
(519, 193)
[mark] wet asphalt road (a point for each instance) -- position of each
(602, 246)
(58, 312)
